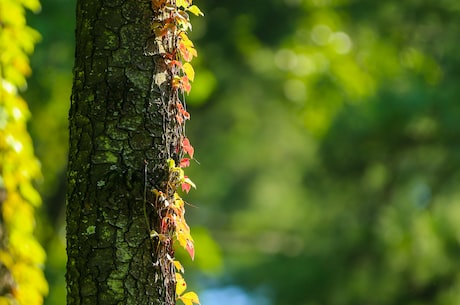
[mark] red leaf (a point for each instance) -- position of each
(173, 63)
(186, 115)
(186, 84)
(179, 119)
(185, 162)
(190, 249)
(181, 109)
(188, 148)
(186, 187)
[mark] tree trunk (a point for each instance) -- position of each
(117, 137)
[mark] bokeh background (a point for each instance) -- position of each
(328, 139)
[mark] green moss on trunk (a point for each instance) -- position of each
(113, 119)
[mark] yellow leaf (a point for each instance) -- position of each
(195, 10)
(178, 266)
(189, 71)
(180, 284)
(33, 5)
(171, 163)
(182, 238)
(182, 3)
(190, 298)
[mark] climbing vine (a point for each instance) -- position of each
(21, 256)
(174, 51)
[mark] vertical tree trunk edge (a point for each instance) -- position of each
(116, 130)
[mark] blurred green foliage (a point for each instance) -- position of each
(327, 134)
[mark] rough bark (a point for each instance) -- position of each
(116, 147)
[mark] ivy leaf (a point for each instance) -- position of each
(179, 119)
(183, 236)
(190, 248)
(188, 148)
(195, 10)
(183, 3)
(185, 162)
(180, 284)
(189, 71)
(186, 47)
(186, 84)
(186, 187)
(176, 81)
(190, 298)
(171, 163)
(189, 182)
(178, 266)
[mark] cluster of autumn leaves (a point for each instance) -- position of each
(171, 27)
(21, 256)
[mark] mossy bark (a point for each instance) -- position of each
(116, 151)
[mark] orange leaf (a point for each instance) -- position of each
(186, 47)
(186, 84)
(181, 109)
(188, 148)
(179, 119)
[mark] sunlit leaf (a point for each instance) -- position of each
(178, 266)
(182, 3)
(190, 298)
(188, 148)
(185, 187)
(180, 284)
(186, 86)
(185, 162)
(190, 249)
(195, 10)
(189, 71)
(187, 183)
